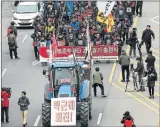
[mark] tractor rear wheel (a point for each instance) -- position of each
(46, 115)
(84, 114)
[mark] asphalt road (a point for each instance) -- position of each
(22, 75)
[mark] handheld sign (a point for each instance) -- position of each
(63, 111)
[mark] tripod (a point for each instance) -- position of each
(134, 77)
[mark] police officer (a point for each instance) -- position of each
(5, 105)
(150, 60)
(146, 37)
(98, 81)
(133, 39)
(140, 70)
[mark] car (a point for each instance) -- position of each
(25, 13)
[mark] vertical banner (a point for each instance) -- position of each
(63, 111)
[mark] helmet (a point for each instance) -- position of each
(12, 23)
(97, 69)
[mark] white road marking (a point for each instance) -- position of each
(34, 63)
(99, 118)
(37, 120)
(24, 38)
(4, 71)
(153, 19)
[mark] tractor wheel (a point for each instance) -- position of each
(89, 101)
(84, 114)
(46, 115)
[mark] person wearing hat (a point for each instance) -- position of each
(150, 60)
(12, 28)
(140, 70)
(133, 41)
(98, 81)
(147, 36)
(127, 120)
(124, 61)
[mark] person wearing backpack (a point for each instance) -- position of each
(12, 45)
(152, 77)
(98, 81)
(12, 28)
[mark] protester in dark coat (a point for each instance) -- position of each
(140, 70)
(152, 77)
(146, 37)
(150, 60)
(139, 8)
(133, 41)
(124, 61)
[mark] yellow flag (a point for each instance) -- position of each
(109, 21)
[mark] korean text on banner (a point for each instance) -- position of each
(63, 111)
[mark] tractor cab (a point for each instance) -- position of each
(68, 79)
(65, 79)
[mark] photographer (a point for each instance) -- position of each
(127, 120)
(133, 41)
(5, 95)
(140, 70)
(152, 77)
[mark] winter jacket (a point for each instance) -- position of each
(126, 26)
(146, 36)
(124, 59)
(140, 68)
(5, 98)
(75, 25)
(12, 41)
(23, 102)
(98, 78)
(120, 13)
(152, 77)
(14, 29)
(150, 61)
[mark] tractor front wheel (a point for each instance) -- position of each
(46, 115)
(84, 114)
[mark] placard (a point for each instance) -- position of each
(63, 111)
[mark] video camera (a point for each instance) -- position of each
(7, 89)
